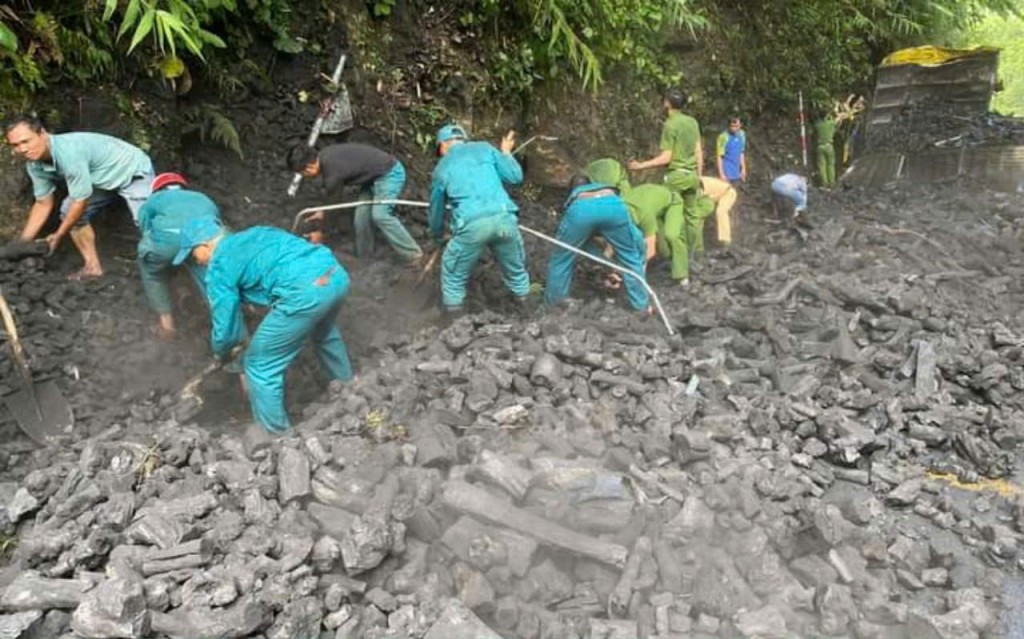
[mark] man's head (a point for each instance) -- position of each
(165, 180)
(735, 124)
(198, 239)
(448, 136)
(675, 99)
(27, 136)
(305, 160)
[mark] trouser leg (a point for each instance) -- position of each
(274, 346)
(674, 239)
(389, 187)
(362, 224)
(510, 253)
(723, 220)
(562, 262)
(460, 256)
(629, 251)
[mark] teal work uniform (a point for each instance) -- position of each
(91, 162)
(161, 219)
(470, 177)
(825, 132)
(600, 214)
(303, 285)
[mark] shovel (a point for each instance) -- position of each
(39, 408)
(190, 401)
(411, 294)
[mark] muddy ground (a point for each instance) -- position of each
(827, 447)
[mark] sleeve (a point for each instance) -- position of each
(723, 138)
(648, 224)
(508, 167)
(43, 184)
(225, 313)
(668, 138)
(435, 214)
(743, 142)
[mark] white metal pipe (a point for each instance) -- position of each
(351, 205)
(538, 234)
(611, 265)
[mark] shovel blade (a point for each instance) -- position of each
(339, 118)
(58, 419)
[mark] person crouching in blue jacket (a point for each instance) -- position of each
(596, 209)
(161, 220)
(470, 176)
(302, 283)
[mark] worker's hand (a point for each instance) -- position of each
(635, 165)
(53, 241)
(508, 143)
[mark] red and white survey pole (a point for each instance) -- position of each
(803, 129)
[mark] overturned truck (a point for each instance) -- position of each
(929, 121)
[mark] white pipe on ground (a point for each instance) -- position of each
(535, 233)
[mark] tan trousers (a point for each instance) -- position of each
(724, 197)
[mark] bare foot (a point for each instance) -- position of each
(86, 273)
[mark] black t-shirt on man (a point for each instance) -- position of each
(353, 164)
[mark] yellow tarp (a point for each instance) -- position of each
(931, 56)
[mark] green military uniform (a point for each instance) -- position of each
(825, 132)
(681, 135)
(608, 171)
(658, 211)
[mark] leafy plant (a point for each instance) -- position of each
(383, 8)
(424, 120)
(171, 24)
(8, 39)
(212, 125)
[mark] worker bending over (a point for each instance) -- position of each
(656, 209)
(161, 220)
(379, 175)
(470, 176)
(596, 210)
(96, 168)
(790, 196)
(302, 284)
(723, 195)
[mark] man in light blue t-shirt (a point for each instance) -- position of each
(96, 168)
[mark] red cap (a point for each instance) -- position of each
(167, 179)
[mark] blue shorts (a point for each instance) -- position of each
(134, 194)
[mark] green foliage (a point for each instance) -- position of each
(383, 8)
(424, 120)
(8, 40)
(170, 25)
(1007, 33)
(546, 39)
(46, 40)
(212, 125)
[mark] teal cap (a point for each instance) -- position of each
(451, 132)
(194, 233)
